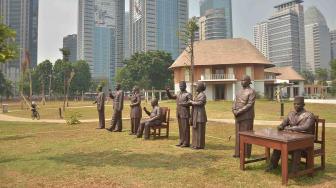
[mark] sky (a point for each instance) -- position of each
(58, 18)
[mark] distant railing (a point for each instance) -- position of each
(270, 77)
(218, 77)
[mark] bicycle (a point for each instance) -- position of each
(35, 114)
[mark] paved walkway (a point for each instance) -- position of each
(8, 118)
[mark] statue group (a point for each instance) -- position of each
(191, 114)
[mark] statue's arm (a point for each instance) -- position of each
(250, 103)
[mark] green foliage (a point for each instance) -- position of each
(308, 76)
(61, 73)
(147, 70)
(333, 88)
(73, 119)
(8, 49)
(66, 53)
(6, 86)
(322, 76)
(41, 76)
(82, 79)
(333, 69)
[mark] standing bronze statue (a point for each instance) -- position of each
(118, 104)
(136, 111)
(199, 117)
(243, 110)
(182, 113)
(100, 101)
(301, 121)
(154, 119)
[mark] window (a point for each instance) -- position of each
(248, 71)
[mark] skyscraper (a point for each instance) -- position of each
(260, 37)
(127, 53)
(317, 40)
(286, 35)
(70, 43)
(21, 16)
(100, 36)
(218, 18)
(154, 25)
(333, 43)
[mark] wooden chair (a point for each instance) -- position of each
(156, 130)
(319, 142)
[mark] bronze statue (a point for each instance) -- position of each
(154, 119)
(135, 110)
(182, 113)
(243, 110)
(299, 120)
(199, 117)
(100, 101)
(118, 104)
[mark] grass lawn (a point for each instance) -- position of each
(265, 110)
(56, 155)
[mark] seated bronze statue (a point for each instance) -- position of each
(298, 120)
(154, 119)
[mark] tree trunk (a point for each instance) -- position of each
(42, 93)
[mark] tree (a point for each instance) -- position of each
(188, 35)
(321, 75)
(308, 76)
(82, 79)
(8, 49)
(147, 70)
(333, 69)
(6, 87)
(66, 53)
(43, 72)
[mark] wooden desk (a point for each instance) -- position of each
(280, 140)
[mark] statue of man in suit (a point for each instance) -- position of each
(182, 113)
(298, 120)
(100, 101)
(118, 104)
(154, 119)
(243, 110)
(198, 117)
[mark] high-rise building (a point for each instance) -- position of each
(70, 43)
(317, 40)
(260, 37)
(286, 35)
(154, 25)
(218, 18)
(333, 43)
(21, 16)
(213, 25)
(101, 36)
(127, 53)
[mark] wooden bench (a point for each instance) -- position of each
(156, 130)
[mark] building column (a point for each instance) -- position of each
(291, 92)
(233, 91)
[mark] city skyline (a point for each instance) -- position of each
(63, 17)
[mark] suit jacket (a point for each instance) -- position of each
(198, 109)
(118, 100)
(244, 104)
(100, 100)
(136, 111)
(183, 107)
(299, 122)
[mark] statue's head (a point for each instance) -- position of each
(299, 103)
(135, 89)
(183, 85)
(246, 81)
(118, 86)
(154, 102)
(200, 86)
